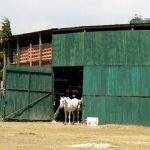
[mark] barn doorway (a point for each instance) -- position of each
(68, 81)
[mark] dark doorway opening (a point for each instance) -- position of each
(68, 82)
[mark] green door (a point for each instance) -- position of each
(28, 93)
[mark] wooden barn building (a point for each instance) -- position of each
(108, 65)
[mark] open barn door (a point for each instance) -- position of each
(68, 82)
(28, 93)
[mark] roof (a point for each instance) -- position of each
(143, 26)
(31, 34)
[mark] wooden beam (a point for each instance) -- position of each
(18, 52)
(30, 54)
(40, 49)
(4, 56)
(4, 80)
(8, 54)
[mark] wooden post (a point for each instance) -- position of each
(4, 64)
(4, 80)
(4, 55)
(18, 52)
(8, 55)
(40, 49)
(30, 54)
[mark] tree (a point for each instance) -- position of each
(1, 56)
(147, 20)
(137, 19)
(0, 40)
(5, 32)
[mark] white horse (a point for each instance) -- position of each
(70, 105)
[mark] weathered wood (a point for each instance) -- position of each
(28, 94)
(8, 55)
(40, 49)
(4, 77)
(18, 52)
(56, 113)
(30, 54)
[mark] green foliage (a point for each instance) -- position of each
(136, 19)
(139, 19)
(0, 40)
(5, 32)
(1, 65)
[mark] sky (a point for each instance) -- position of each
(35, 15)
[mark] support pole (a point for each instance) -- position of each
(18, 52)
(30, 55)
(40, 49)
(4, 80)
(4, 55)
(8, 55)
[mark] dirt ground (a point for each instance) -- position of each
(57, 136)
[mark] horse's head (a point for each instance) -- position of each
(62, 100)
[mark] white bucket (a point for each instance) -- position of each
(92, 121)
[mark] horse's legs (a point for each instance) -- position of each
(73, 116)
(69, 117)
(78, 115)
(65, 117)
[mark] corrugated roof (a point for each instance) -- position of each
(143, 26)
(30, 34)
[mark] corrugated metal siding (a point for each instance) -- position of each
(123, 110)
(68, 49)
(116, 72)
(117, 80)
(28, 93)
(117, 94)
(102, 48)
(117, 48)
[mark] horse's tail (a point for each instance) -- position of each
(80, 101)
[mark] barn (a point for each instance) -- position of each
(108, 65)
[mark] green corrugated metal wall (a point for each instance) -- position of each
(117, 48)
(117, 94)
(116, 72)
(68, 49)
(102, 48)
(28, 93)
(117, 80)
(123, 110)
